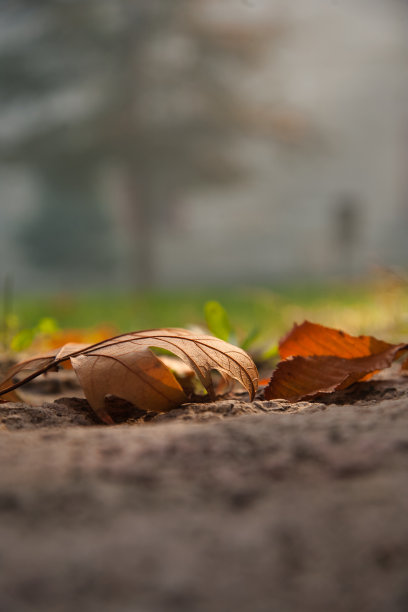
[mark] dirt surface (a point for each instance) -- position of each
(258, 507)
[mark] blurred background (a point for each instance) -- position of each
(149, 147)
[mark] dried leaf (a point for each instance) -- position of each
(136, 376)
(299, 378)
(319, 359)
(313, 339)
(202, 352)
(124, 367)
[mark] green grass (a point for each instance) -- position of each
(372, 309)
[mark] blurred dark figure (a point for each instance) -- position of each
(347, 228)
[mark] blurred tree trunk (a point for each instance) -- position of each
(139, 213)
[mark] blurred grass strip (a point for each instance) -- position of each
(370, 309)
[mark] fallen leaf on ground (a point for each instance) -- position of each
(125, 367)
(310, 339)
(136, 376)
(318, 359)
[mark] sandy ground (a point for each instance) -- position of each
(230, 506)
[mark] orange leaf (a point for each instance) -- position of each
(319, 359)
(313, 339)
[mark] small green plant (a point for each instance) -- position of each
(219, 324)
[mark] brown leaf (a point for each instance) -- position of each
(124, 367)
(202, 353)
(299, 378)
(136, 376)
(319, 359)
(313, 339)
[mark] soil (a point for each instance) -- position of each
(258, 507)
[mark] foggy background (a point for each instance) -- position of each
(187, 142)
